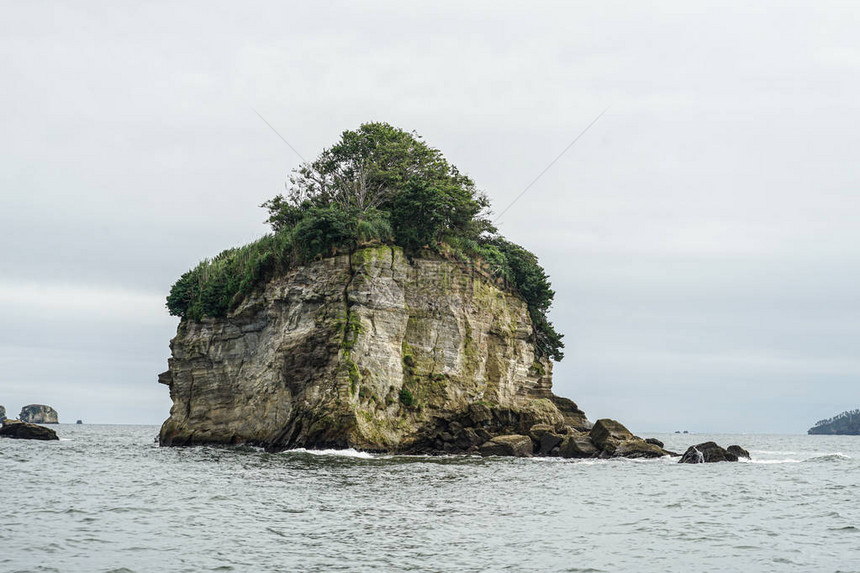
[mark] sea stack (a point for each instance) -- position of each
(2, 413)
(385, 313)
(368, 350)
(38, 414)
(376, 352)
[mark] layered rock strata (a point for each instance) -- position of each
(375, 351)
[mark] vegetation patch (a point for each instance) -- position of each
(377, 185)
(406, 397)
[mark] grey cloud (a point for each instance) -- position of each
(701, 238)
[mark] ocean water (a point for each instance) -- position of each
(107, 498)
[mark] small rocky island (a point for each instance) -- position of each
(844, 424)
(710, 452)
(24, 431)
(38, 414)
(384, 313)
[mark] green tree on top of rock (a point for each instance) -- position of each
(382, 168)
(377, 184)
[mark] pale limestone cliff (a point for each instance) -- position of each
(371, 350)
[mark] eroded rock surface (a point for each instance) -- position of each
(378, 352)
(2, 413)
(38, 414)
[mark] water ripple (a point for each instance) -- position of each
(112, 501)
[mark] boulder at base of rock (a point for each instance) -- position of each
(638, 448)
(577, 446)
(538, 431)
(738, 451)
(38, 414)
(549, 444)
(654, 441)
(607, 434)
(707, 452)
(25, 431)
(511, 445)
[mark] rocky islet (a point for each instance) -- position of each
(26, 431)
(380, 352)
(710, 452)
(38, 414)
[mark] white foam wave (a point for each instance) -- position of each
(346, 453)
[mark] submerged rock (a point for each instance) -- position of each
(38, 414)
(710, 452)
(26, 431)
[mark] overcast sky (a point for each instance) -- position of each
(702, 238)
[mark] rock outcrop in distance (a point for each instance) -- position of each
(379, 352)
(24, 431)
(2, 413)
(38, 414)
(846, 424)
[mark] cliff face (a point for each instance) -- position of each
(38, 414)
(369, 350)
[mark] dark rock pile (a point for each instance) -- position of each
(709, 452)
(504, 432)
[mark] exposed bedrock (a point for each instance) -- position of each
(377, 352)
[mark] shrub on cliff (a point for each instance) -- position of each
(377, 184)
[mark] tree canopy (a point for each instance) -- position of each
(378, 183)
